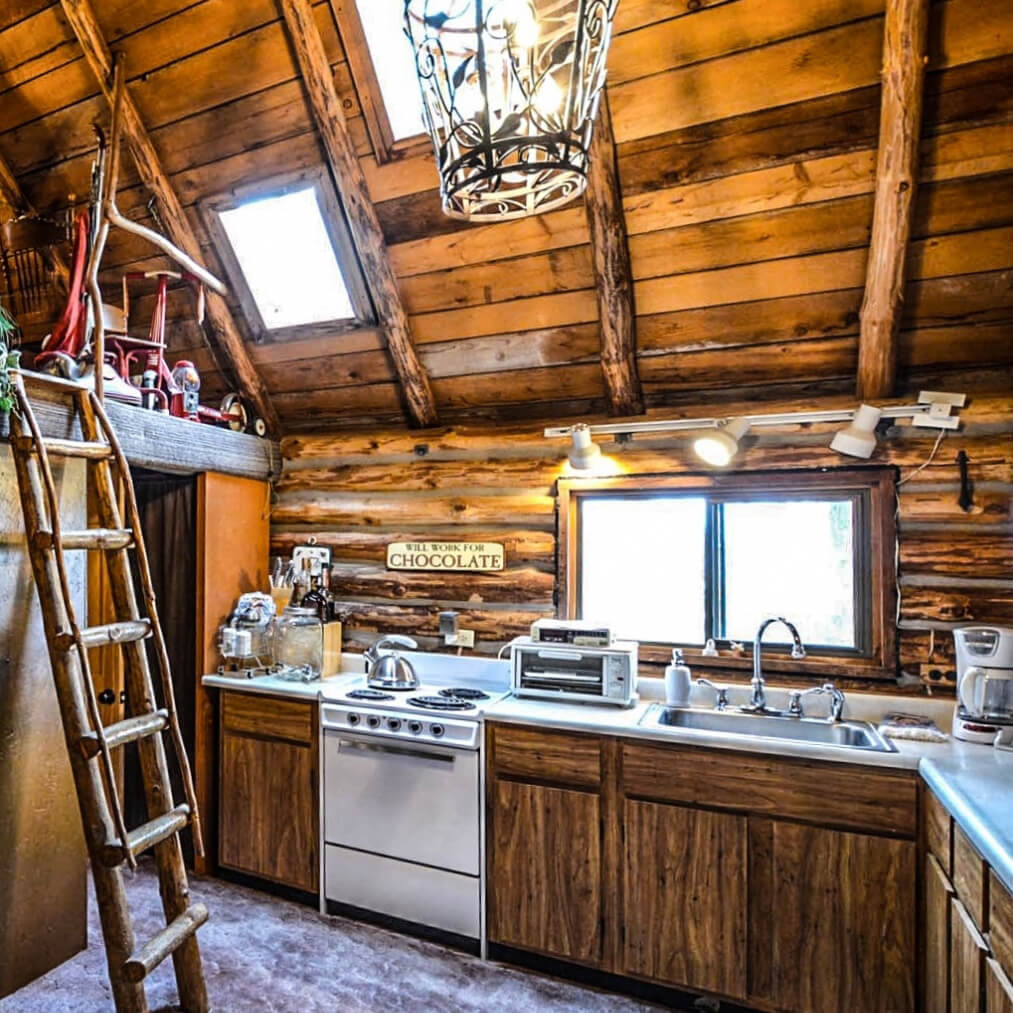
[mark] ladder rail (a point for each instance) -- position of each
(91, 702)
(158, 637)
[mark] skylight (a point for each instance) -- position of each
(288, 260)
(394, 65)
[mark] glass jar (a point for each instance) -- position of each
(299, 644)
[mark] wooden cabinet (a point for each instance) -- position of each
(968, 952)
(545, 843)
(936, 937)
(268, 802)
(686, 895)
(787, 884)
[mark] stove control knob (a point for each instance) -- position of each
(353, 719)
(415, 727)
(394, 724)
(437, 731)
(373, 721)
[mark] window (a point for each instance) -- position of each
(383, 68)
(678, 560)
(289, 258)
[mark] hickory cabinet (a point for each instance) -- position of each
(967, 923)
(268, 795)
(785, 884)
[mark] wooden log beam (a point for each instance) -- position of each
(223, 336)
(612, 272)
(14, 198)
(904, 47)
(363, 223)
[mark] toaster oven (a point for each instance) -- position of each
(582, 674)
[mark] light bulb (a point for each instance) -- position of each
(522, 24)
(859, 439)
(719, 447)
(549, 96)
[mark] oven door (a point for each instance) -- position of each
(551, 671)
(410, 801)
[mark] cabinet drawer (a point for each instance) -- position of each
(938, 834)
(998, 990)
(970, 874)
(268, 716)
(1000, 922)
(836, 795)
(558, 757)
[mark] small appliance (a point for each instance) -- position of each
(246, 641)
(575, 673)
(984, 682)
(390, 670)
(570, 631)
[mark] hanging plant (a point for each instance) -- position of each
(10, 358)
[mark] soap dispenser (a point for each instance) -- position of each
(678, 681)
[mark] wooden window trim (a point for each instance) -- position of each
(341, 241)
(360, 61)
(879, 663)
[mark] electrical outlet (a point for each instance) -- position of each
(465, 638)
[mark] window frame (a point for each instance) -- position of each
(367, 88)
(874, 488)
(341, 242)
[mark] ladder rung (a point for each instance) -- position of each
(147, 835)
(51, 380)
(75, 448)
(170, 939)
(99, 539)
(123, 732)
(111, 633)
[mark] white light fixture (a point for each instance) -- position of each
(584, 451)
(718, 448)
(510, 92)
(859, 439)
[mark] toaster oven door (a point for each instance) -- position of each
(552, 670)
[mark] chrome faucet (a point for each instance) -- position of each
(721, 693)
(796, 696)
(758, 696)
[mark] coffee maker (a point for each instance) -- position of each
(984, 682)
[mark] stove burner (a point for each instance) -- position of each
(368, 694)
(441, 703)
(464, 693)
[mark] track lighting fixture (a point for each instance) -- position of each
(719, 447)
(584, 451)
(859, 439)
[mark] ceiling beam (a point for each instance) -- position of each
(362, 221)
(14, 198)
(223, 336)
(613, 276)
(903, 78)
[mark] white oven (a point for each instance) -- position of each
(572, 673)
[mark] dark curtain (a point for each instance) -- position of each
(167, 505)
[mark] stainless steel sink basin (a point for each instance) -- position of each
(850, 734)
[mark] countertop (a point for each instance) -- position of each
(974, 783)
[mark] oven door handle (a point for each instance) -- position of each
(377, 747)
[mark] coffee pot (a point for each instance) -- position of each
(984, 682)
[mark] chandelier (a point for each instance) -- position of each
(510, 92)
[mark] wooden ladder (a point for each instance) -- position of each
(110, 844)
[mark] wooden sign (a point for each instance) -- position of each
(481, 557)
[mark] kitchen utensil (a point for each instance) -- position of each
(391, 671)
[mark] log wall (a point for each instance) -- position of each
(746, 135)
(357, 491)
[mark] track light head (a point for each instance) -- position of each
(859, 438)
(584, 451)
(720, 446)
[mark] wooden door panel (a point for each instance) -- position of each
(841, 926)
(998, 989)
(936, 935)
(268, 810)
(685, 897)
(967, 961)
(545, 871)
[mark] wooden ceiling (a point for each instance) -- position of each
(745, 139)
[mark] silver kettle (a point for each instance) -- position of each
(391, 671)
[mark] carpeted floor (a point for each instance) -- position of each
(271, 956)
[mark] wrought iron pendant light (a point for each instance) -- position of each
(510, 92)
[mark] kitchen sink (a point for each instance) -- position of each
(849, 734)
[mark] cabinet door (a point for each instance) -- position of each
(967, 961)
(685, 897)
(832, 919)
(936, 935)
(546, 871)
(998, 989)
(268, 810)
